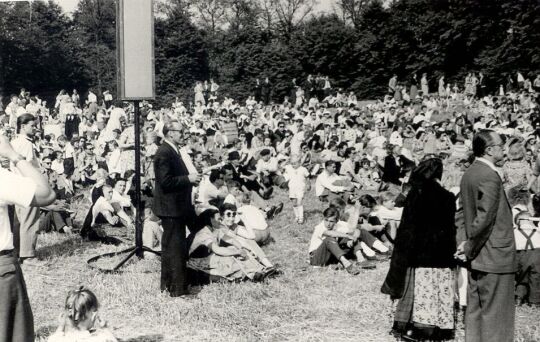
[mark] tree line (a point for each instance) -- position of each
(359, 44)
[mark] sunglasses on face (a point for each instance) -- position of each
(230, 214)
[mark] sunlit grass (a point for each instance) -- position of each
(303, 304)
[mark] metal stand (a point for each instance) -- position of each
(138, 249)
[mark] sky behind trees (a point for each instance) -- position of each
(322, 5)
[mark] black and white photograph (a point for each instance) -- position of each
(269, 170)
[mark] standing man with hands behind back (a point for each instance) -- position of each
(175, 178)
(489, 246)
(28, 188)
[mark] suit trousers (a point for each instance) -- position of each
(174, 255)
(490, 314)
(26, 230)
(16, 319)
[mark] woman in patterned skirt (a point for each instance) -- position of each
(421, 270)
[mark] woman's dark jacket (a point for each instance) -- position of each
(426, 236)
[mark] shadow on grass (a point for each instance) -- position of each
(145, 338)
(315, 211)
(69, 246)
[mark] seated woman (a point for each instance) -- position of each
(219, 252)
(367, 176)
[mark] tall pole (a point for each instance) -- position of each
(138, 204)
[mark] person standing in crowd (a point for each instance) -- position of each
(392, 84)
(442, 90)
(175, 178)
(489, 245)
(28, 217)
(421, 270)
(257, 91)
(266, 90)
(414, 88)
(27, 187)
(424, 84)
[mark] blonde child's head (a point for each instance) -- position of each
(81, 309)
(387, 199)
(295, 160)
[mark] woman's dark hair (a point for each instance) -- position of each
(367, 201)
(427, 171)
(227, 206)
(205, 218)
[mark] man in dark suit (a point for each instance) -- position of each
(489, 246)
(173, 204)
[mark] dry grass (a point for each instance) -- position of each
(304, 304)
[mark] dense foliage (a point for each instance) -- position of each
(236, 41)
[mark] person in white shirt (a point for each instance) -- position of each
(212, 190)
(11, 110)
(325, 184)
(27, 187)
(267, 167)
(152, 232)
(121, 201)
(28, 217)
(297, 177)
(103, 211)
(254, 220)
(326, 242)
(92, 98)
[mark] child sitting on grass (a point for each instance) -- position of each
(152, 232)
(80, 322)
(327, 243)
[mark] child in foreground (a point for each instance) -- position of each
(80, 321)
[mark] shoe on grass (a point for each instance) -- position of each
(271, 213)
(366, 265)
(279, 208)
(352, 269)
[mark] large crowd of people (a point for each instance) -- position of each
(387, 172)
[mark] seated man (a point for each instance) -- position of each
(327, 243)
(212, 190)
(268, 169)
(103, 212)
(121, 202)
(330, 185)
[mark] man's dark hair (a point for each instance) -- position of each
(331, 212)
(215, 175)
(23, 120)
(481, 142)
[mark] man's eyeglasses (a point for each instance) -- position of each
(230, 214)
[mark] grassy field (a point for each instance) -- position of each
(303, 304)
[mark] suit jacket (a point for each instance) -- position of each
(172, 193)
(490, 245)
